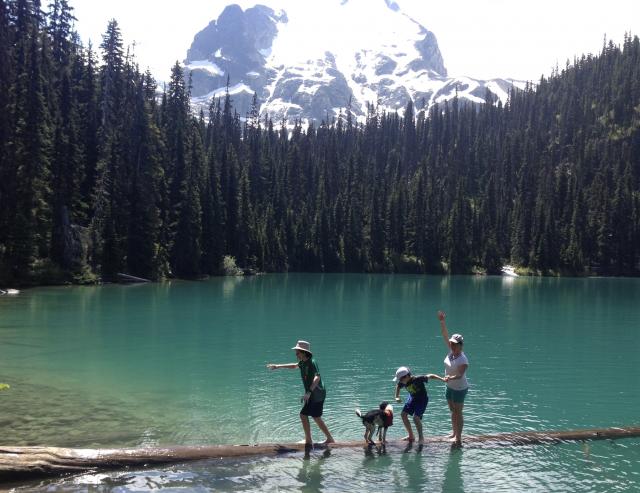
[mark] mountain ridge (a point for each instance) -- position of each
(395, 61)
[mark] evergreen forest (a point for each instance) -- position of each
(103, 172)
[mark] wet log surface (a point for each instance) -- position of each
(31, 462)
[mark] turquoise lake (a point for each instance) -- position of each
(183, 363)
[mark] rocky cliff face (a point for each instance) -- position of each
(397, 60)
(234, 48)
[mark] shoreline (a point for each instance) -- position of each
(521, 273)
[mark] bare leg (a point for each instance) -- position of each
(324, 429)
(307, 429)
(453, 418)
(458, 422)
(407, 425)
(418, 423)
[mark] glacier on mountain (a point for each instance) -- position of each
(312, 67)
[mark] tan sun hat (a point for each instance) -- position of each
(303, 346)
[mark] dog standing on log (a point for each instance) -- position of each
(381, 417)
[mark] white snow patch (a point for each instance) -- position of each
(463, 92)
(241, 87)
(222, 91)
(207, 66)
(279, 104)
(423, 81)
(309, 88)
(313, 71)
(279, 109)
(496, 89)
(519, 84)
(270, 90)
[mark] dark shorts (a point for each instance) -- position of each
(455, 395)
(415, 407)
(313, 409)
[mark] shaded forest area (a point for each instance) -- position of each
(100, 173)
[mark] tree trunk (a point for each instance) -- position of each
(29, 462)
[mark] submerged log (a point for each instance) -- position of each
(28, 462)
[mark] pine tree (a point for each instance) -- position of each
(30, 151)
(144, 257)
(108, 254)
(7, 174)
(187, 249)
(67, 164)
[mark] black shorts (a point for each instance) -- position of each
(313, 409)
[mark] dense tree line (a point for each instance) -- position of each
(100, 175)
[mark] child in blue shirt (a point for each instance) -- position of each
(418, 399)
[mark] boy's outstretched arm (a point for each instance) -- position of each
(437, 377)
(397, 396)
(273, 366)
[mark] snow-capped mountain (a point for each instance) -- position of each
(384, 57)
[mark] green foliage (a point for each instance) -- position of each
(229, 267)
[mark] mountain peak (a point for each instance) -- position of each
(377, 54)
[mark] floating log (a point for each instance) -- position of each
(28, 462)
(129, 278)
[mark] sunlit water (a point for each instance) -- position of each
(184, 363)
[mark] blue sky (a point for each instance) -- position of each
(480, 39)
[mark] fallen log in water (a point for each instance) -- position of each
(27, 462)
(129, 278)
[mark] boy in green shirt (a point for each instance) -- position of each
(314, 390)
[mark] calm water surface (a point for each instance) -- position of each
(184, 363)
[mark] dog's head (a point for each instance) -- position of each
(387, 410)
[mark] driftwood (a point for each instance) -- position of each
(129, 278)
(28, 462)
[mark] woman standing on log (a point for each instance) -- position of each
(455, 367)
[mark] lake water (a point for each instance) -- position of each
(184, 363)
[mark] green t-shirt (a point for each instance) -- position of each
(308, 371)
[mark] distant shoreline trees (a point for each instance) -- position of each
(99, 176)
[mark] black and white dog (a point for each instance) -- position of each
(381, 417)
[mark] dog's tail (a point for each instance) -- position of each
(358, 413)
